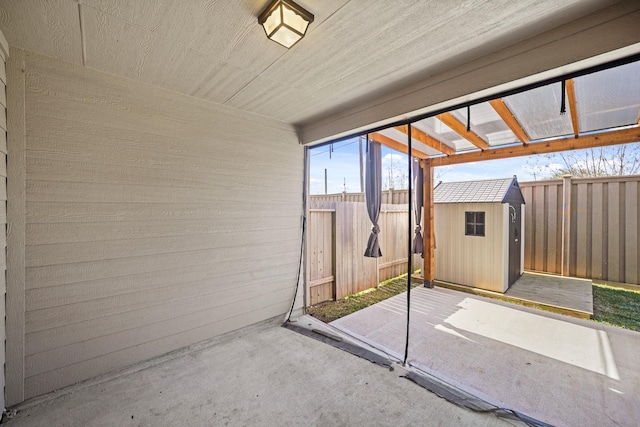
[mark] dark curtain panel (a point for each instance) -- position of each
(373, 195)
(418, 196)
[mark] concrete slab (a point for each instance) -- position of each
(568, 292)
(261, 375)
(563, 295)
(558, 369)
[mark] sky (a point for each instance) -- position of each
(343, 168)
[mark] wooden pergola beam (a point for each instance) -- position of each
(427, 140)
(396, 145)
(602, 139)
(461, 129)
(571, 97)
(428, 239)
(509, 119)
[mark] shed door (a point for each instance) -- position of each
(515, 240)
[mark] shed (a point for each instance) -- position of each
(478, 232)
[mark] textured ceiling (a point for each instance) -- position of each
(355, 50)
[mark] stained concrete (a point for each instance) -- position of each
(261, 375)
(557, 369)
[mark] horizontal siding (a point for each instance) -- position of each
(252, 312)
(174, 321)
(153, 221)
(88, 213)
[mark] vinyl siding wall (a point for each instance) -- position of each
(153, 221)
(472, 260)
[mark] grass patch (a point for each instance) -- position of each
(332, 310)
(617, 307)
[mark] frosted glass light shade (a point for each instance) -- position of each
(285, 22)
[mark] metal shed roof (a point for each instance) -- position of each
(487, 191)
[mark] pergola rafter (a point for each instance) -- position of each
(396, 145)
(601, 139)
(571, 97)
(461, 129)
(427, 140)
(509, 119)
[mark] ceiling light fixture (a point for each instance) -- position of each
(285, 22)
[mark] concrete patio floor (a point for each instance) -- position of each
(564, 295)
(557, 369)
(260, 375)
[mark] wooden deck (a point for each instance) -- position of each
(565, 295)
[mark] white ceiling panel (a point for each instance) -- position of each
(49, 27)
(413, 39)
(178, 21)
(355, 51)
(117, 47)
(270, 98)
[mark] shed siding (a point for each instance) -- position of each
(470, 260)
(153, 221)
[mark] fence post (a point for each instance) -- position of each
(566, 225)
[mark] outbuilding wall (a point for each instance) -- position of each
(144, 221)
(472, 260)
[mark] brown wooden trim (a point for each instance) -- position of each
(428, 240)
(622, 136)
(509, 119)
(461, 129)
(427, 140)
(398, 146)
(571, 97)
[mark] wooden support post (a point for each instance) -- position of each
(428, 268)
(566, 224)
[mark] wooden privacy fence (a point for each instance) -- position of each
(395, 197)
(586, 227)
(338, 235)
